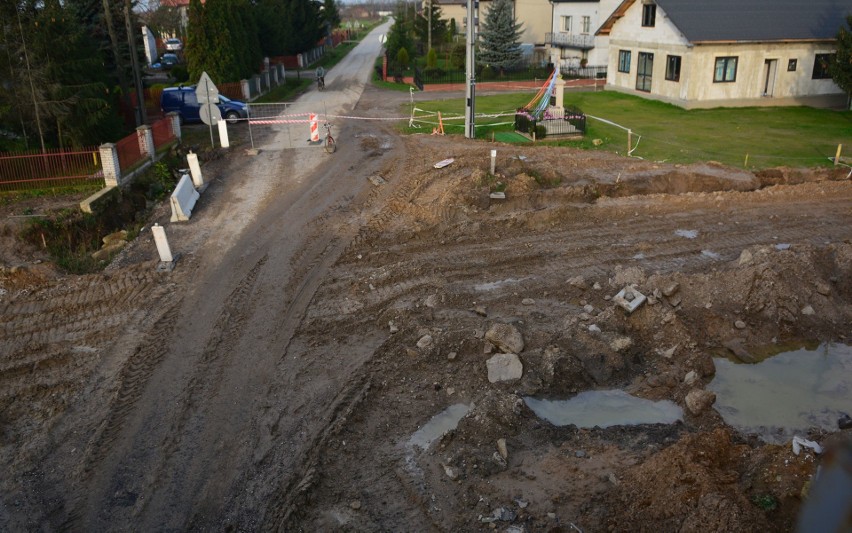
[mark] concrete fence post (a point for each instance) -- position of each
(244, 86)
(110, 165)
(266, 80)
(275, 74)
(146, 140)
(256, 81)
(174, 116)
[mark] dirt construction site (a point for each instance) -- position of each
(360, 341)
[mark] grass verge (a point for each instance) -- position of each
(751, 137)
(285, 92)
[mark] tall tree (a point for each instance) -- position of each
(439, 26)
(500, 37)
(331, 13)
(399, 35)
(841, 65)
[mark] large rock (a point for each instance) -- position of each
(504, 367)
(699, 400)
(506, 337)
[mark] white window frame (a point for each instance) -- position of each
(566, 23)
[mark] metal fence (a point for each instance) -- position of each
(483, 73)
(569, 122)
(129, 152)
(53, 168)
(582, 73)
(162, 132)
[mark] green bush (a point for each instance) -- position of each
(540, 132)
(432, 58)
(487, 73)
(458, 56)
(180, 74)
(402, 58)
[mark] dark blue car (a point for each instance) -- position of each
(183, 101)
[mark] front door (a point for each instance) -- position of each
(643, 72)
(770, 66)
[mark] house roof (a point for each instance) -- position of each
(750, 20)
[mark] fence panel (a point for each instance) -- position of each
(129, 153)
(233, 90)
(56, 168)
(483, 73)
(162, 132)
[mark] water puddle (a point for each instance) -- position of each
(440, 424)
(605, 408)
(711, 254)
(687, 233)
(787, 393)
(496, 284)
(782, 246)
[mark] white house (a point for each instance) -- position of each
(573, 36)
(725, 52)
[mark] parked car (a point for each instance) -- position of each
(183, 101)
(174, 45)
(169, 60)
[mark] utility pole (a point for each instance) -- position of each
(141, 117)
(429, 32)
(470, 71)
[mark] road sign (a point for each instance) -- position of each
(210, 114)
(206, 90)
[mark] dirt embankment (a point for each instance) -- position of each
(398, 330)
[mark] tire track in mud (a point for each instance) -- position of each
(294, 492)
(581, 249)
(224, 333)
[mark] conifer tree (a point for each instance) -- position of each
(399, 35)
(840, 67)
(500, 37)
(331, 13)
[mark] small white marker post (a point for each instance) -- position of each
(195, 170)
(223, 133)
(493, 161)
(167, 261)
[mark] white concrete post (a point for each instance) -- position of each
(266, 80)
(256, 81)
(110, 165)
(146, 140)
(244, 86)
(175, 117)
(195, 169)
(223, 133)
(275, 74)
(493, 161)
(162, 243)
(560, 94)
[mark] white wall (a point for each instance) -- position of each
(696, 83)
(597, 12)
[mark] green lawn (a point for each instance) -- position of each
(286, 92)
(770, 136)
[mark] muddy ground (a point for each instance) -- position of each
(274, 378)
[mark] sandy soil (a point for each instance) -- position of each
(273, 380)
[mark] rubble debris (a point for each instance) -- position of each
(629, 299)
(506, 337)
(444, 162)
(799, 443)
(699, 400)
(504, 367)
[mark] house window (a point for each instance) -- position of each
(791, 65)
(566, 24)
(644, 71)
(726, 69)
(673, 68)
(587, 22)
(624, 60)
(649, 15)
(821, 63)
